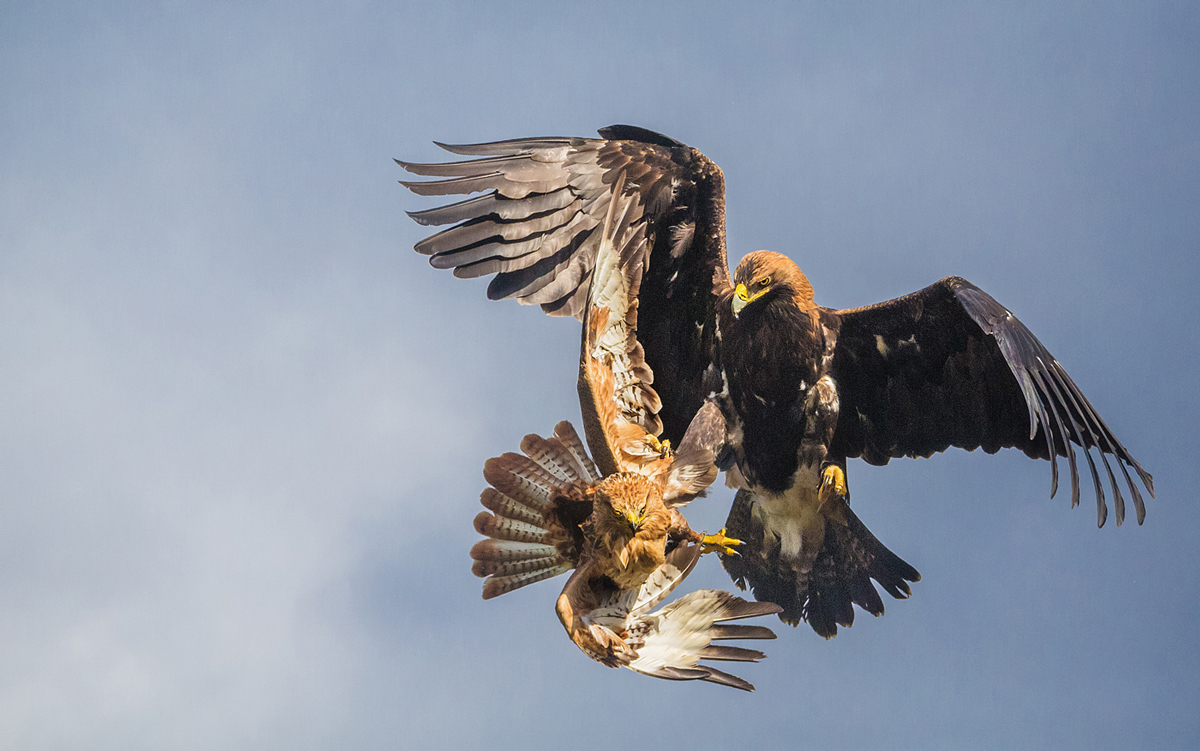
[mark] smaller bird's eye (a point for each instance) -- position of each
(764, 281)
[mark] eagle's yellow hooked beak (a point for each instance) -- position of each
(742, 298)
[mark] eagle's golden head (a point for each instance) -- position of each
(762, 272)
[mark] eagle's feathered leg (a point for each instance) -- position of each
(830, 572)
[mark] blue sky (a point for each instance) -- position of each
(244, 423)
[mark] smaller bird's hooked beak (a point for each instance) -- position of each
(635, 519)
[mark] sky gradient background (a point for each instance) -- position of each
(244, 424)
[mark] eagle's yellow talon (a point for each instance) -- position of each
(836, 478)
(719, 543)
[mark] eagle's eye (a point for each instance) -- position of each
(764, 281)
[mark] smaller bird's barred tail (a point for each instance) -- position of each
(671, 641)
(529, 535)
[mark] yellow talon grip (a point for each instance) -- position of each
(836, 479)
(719, 543)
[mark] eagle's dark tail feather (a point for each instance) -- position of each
(839, 578)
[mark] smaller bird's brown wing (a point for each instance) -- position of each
(950, 366)
(619, 404)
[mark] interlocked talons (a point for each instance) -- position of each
(662, 447)
(719, 543)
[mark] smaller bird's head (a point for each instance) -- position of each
(624, 501)
(763, 274)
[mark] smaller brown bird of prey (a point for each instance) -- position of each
(551, 510)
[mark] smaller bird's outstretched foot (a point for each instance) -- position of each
(719, 543)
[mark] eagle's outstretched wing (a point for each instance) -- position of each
(540, 223)
(950, 366)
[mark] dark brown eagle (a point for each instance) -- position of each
(803, 388)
